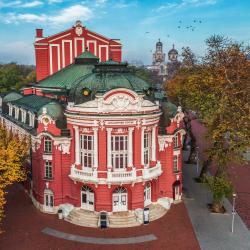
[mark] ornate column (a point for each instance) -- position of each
(77, 145)
(109, 161)
(142, 145)
(153, 153)
(95, 148)
(130, 147)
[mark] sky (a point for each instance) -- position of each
(139, 24)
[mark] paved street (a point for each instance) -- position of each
(24, 224)
(213, 231)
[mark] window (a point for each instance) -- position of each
(175, 161)
(48, 170)
(146, 148)
(119, 151)
(87, 150)
(175, 140)
(47, 145)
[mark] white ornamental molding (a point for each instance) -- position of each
(45, 119)
(78, 28)
(164, 142)
(35, 144)
(63, 146)
(85, 130)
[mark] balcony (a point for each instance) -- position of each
(83, 175)
(121, 177)
(152, 173)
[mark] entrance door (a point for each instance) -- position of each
(87, 196)
(147, 195)
(120, 200)
(48, 202)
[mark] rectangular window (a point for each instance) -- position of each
(48, 170)
(175, 162)
(47, 145)
(119, 151)
(175, 140)
(87, 150)
(147, 147)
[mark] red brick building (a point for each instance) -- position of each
(102, 138)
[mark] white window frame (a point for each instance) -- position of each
(47, 145)
(87, 150)
(48, 170)
(147, 148)
(119, 156)
(16, 113)
(175, 163)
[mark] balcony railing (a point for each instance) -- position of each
(151, 173)
(122, 176)
(83, 175)
(115, 177)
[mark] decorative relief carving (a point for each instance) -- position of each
(63, 146)
(164, 142)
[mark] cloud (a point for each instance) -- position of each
(67, 15)
(185, 3)
(20, 4)
(123, 4)
(54, 1)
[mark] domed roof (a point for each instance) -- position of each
(106, 76)
(159, 43)
(12, 96)
(173, 51)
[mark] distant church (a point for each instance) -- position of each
(163, 70)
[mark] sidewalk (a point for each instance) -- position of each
(213, 231)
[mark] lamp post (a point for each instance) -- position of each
(197, 160)
(233, 212)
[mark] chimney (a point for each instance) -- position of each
(39, 33)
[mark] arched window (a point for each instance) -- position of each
(87, 189)
(120, 190)
(47, 145)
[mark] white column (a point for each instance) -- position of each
(77, 145)
(153, 144)
(109, 165)
(142, 145)
(130, 147)
(95, 148)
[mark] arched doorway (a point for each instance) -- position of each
(176, 190)
(48, 200)
(147, 194)
(120, 199)
(87, 198)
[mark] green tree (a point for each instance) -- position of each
(13, 153)
(218, 89)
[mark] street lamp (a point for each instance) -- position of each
(233, 212)
(197, 159)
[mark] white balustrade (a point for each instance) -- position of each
(83, 175)
(122, 176)
(151, 173)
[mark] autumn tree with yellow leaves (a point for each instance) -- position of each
(218, 89)
(14, 151)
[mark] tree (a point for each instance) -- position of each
(218, 89)
(13, 154)
(13, 76)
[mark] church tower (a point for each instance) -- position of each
(158, 56)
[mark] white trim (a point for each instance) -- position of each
(51, 59)
(98, 38)
(59, 37)
(95, 147)
(130, 146)
(77, 145)
(109, 161)
(75, 45)
(94, 42)
(41, 48)
(100, 50)
(153, 153)
(70, 51)
(142, 145)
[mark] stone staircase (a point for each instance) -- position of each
(83, 218)
(123, 219)
(156, 211)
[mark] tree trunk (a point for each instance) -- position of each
(204, 170)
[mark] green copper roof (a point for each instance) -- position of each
(12, 96)
(53, 109)
(87, 54)
(107, 76)
(32, 102)
(66, 77)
